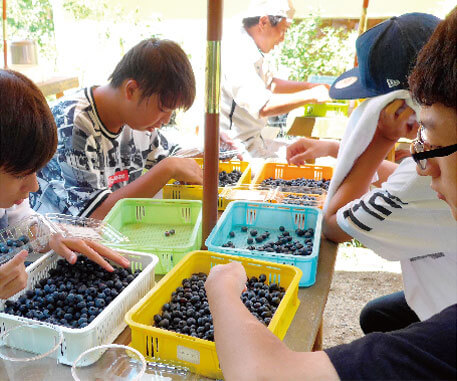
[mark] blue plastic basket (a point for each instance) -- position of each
(263, 217)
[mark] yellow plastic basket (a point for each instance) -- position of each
(199, 355)
(195, 192)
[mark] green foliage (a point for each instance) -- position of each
(32, 19)
(309, 48)
(112, 14)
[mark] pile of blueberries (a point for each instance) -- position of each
(284, 244)
(262, 299)
(225, 178)
(72, 295)
(229, 178)
(304, 199)
(188, 311)
(300, 182)
(12, 247)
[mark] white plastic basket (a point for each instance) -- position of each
(107, 325)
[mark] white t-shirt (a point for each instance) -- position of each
(405, 221)
(244, 89)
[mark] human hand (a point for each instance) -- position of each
(318, 94)
(228, 143)
(397, 120)
(66, 248)
(185, 170)
(230, 276)
(13, 277)
(307, 149)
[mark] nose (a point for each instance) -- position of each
(431, 169)
(31, 183)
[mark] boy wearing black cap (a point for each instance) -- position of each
(392, 219)
(425, 350)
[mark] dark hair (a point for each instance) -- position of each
(249, 22)
(160, 67)
(28, 133)
(434, 78)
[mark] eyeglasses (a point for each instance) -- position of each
(420, 150)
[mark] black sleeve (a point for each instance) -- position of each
(422, 351)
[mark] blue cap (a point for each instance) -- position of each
(386, 55)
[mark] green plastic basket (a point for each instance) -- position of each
(144, 221)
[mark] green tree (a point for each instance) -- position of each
(309, 48)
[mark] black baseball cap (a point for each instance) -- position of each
(386, 55)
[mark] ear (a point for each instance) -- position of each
(131, 89)
(264, 22)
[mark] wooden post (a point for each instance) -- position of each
(5, 48)
(211, 156)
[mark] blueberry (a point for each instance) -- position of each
(244, 229)
(172, 231)
(232, 234)
(24, 239)
(253, 232)
(167, 234)
(282, 228)
(100, 303)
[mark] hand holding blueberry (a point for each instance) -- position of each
(226, 277)
(13, 277)
(66, 248)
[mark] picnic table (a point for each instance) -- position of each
(305, 332)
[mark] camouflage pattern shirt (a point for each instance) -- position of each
(90, 161)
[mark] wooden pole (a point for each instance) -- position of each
(211, 156)
(5, 49)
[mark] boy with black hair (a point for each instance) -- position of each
(28, 140)
(107, 135)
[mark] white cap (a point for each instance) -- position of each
(259, 8)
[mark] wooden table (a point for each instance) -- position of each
(57, 85)
(305, 332)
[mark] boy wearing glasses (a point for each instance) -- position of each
(425, 350)
(403, 220)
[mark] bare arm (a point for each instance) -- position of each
(390, 128)
(259, 354)
(283, 86)
(151, 182)
(282, 103)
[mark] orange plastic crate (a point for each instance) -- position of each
(290, 172)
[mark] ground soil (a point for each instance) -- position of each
(360, 276)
